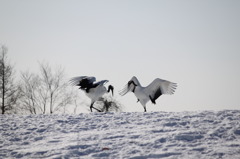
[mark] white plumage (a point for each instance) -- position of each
(94, 90)
(151, 92)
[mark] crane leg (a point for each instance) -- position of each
(91, 107)
(145, 110)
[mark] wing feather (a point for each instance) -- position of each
(100, 83)
(159, 87)
(76, 80)
(125, 90)
(128, 87)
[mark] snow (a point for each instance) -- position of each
(202, 135)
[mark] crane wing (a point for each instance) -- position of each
(130, 87)
(76, 81)
(126, 89)
(100, 83)
(159, 87)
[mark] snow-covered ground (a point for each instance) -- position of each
(205, 134)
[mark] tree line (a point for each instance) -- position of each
(46, 92)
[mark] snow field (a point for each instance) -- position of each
(205, 134)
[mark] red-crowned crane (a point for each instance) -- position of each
(94, 90)
(149, 93)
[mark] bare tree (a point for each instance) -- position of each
(53, 82)
(9, 93)
(33, 98)
(46, 91)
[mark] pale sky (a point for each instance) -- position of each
(195, 44)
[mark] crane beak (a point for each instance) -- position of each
(110, 87)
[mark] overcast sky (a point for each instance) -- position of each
(195, 44)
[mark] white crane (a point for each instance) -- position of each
(151, 92)
(94, 90)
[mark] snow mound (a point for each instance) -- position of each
(205, 134)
